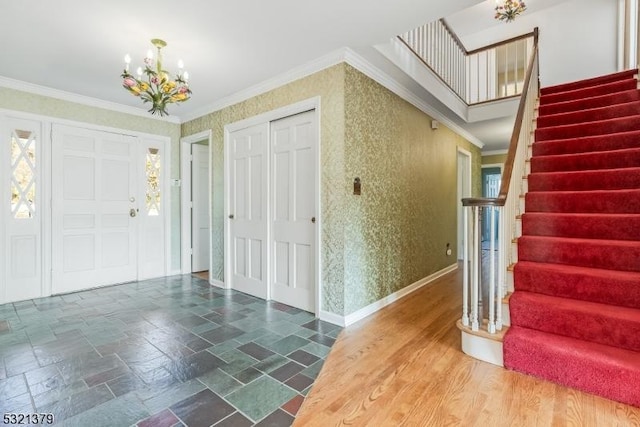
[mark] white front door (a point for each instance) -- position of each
(200, 232)
(95, 209)
(293, 172)
(248, 201)
(22, 212)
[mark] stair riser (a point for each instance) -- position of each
(627, 201)
(559, 364)
(621, 289)
(620, 76)
(587, 144)
(576, 320)
(618, 227)
(588, 161)
(604, 89)
(604, 127)
(623, 110)
(588, 103)
(616, 179)
(612, 255)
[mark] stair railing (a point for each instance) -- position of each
(482, 75)
(484, 274)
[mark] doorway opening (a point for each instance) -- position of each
(195, 177)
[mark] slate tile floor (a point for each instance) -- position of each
(163, 352)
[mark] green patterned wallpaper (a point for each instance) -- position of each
(15, 100)
(396, 232)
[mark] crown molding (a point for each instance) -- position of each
(494, 152)
(374, 73)
(319, 64)
(80, 99)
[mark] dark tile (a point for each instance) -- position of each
(125, 384)
(161, 419)
(105, 376)
(202, 409)
(288, 344)
(320, 326)
(13, 386)
(271, 363)
(79, 402)
(197, 344)
(248, 375)
(191, 321)
(303, 357)
(293, 406)
(323, 339)
(4, 326)
(299, 382)
(235, 420)
(285, 372)
(224, 316)
(221, 334)
(256, 351)
(193, 366)
(278, 418)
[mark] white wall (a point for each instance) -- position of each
(578, 38)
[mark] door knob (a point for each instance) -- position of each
(231, 216)
(313, 219)
(132, 212)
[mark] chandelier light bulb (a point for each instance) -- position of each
(154, 84)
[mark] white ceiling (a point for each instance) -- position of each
(78, 46)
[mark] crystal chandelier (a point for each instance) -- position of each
(508, 10)
(156, 86)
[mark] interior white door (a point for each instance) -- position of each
(248, 186)
(200, 231)
(293, 174)
(94, 213)
(22, 210)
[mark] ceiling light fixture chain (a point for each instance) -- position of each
(156, 87)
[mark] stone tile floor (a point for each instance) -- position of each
(164, 352)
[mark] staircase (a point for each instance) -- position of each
(575, 312)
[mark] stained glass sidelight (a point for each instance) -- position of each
(152, 168)
(23, 174)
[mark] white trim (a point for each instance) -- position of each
(217, 283)
(185, 199)
(81, 99)
(356, 316)
(312, 67)
(485, 349)
(494, 152)
(335, 319)
(267, 117)
(493, 165)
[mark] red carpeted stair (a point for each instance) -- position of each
(575, 312)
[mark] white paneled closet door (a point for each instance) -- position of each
(248, 209)
(95, 208)
(22, 210)
(293, 210)
(200, 230)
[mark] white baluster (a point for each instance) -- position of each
(475, 262)
(465, 268)
(492, 270)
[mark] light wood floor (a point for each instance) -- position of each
(404, 366)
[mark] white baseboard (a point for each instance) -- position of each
(335, 319)
(352, 318)
(484, 349)
(217, 283)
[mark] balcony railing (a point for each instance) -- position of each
(487, 74)
(484, 277)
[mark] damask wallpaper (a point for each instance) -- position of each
(396, 232)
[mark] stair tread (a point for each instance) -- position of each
(605, 370)
(590, 91)
(632, 94)
(591, 143)
(563, 87)
(623, 109)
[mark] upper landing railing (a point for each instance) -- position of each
(481, 75)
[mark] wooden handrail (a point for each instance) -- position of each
(507, 41)
(513, 145)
